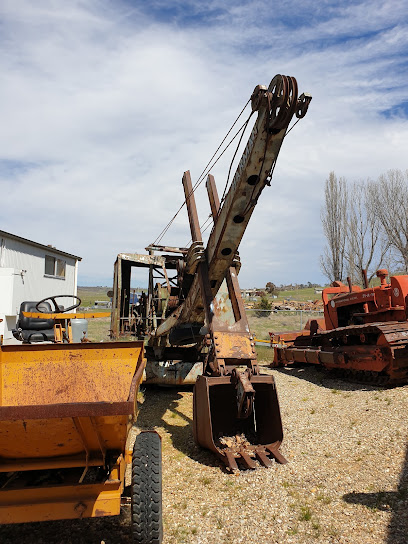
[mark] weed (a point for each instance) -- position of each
(316, 527)
(323, 498)
(333, 531)
(312, 411)
(181, 534)
(194, 530)
(220, 523)
(293, 493)
(205, 480)
(293, 531)
(285, 484)
(335, 391)
(305, 513)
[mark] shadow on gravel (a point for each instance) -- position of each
(324, 377)
(389, 501)
(157, 401)
(112, 530)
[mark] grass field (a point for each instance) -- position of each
(301, 295)
(88, 295)
(277, 322)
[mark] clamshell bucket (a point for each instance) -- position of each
(247, 440)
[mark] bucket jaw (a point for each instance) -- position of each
(238, 417)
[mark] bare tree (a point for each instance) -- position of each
(389, 201)
(334, 221)
(366, 246)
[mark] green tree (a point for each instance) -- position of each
(263, 306)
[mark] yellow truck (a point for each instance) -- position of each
(66, 410)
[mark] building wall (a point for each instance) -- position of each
(22, 277)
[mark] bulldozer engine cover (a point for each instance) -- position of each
(246, 440)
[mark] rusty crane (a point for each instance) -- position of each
(193, 315)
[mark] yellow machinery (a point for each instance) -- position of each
(65, 414)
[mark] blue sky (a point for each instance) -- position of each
(104, 104)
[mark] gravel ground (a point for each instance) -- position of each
(346, 480)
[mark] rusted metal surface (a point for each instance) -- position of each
(254, 438)
(366, 333)
(167, 249)
(64, 399)
(204, 309)
(276, 107)
(225, 398)
(65, 406)
(245, 393)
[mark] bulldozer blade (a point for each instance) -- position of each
(237, 441)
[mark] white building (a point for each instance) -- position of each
(31, 271)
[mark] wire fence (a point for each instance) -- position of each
(262, 322)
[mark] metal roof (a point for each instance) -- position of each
(36, 244)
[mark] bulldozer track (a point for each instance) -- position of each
(392, 340)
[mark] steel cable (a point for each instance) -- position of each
(207, 168)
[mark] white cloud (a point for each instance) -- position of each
(107, 106)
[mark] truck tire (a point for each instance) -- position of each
(147, 525)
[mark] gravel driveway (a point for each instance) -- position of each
(346, 480)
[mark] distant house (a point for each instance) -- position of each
(31, 271)
(245, 293)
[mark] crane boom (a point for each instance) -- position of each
(276, 106)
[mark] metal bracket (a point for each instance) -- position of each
(245, 392)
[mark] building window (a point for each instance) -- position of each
(54, 267)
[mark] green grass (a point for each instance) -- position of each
(302, 295)
(305, 513)
(98, 329)
(88, 295)
(278, 322)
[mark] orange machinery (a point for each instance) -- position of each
(364, 332)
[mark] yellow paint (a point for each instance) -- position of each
(65, 374)
(233, 346)
(61, 374)
(63, 315)
(62, 502)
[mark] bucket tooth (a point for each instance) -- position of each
(247, 460)
(230, 461)
(263, 458)
(277, 454)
